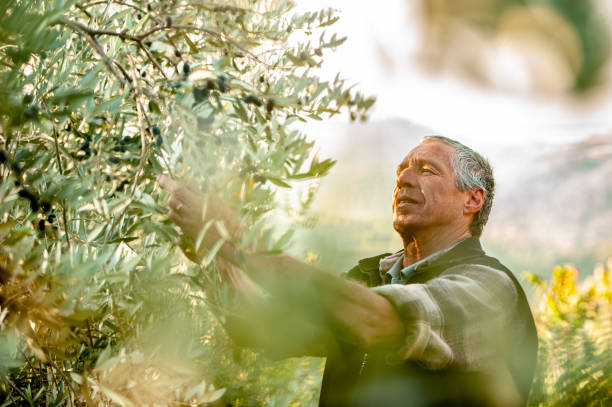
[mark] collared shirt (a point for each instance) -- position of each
(399, 275)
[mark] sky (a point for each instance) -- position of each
(444, 102)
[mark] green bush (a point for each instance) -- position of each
(574, 321)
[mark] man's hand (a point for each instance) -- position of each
(186, 205)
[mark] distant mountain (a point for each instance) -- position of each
(559, 208)
(553, 203)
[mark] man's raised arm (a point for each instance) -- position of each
(352, 312)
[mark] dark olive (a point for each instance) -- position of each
(270, 105)
(177, 53)
(34, 204)
(186, 68)
(31, 112)
(51, 218)
(122, 185)
(156, 130)
(4, 157)
(253, 100)
(168, 21)
(41, 225)
(24, 193)
(16, 167)
(221, 85)
(45, 205)
(27, 99)
(84, 146)
(159, 140)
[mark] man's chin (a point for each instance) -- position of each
(404, 224)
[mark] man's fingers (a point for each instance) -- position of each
(175, 203)
(189, 195)
(169, 184)
(193, 186)
(176, 218)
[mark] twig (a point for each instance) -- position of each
(17, 389)
(141, 114)
(61, 170)
(89, 336)
(83, 28)
(87, 13)
(152, 59)
(88, 35)
(124, 3)
(8, 46)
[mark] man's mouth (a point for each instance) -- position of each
(405, 202)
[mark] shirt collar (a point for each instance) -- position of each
(392, 265)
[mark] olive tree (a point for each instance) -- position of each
(98, 304)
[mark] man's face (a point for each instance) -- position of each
(426, 195)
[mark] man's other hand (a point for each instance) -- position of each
(186, 204)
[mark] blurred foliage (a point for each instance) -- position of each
(574, 321)
(97, 98)
(561, 45)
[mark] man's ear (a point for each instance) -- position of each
(473, 201)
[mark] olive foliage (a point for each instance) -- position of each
(97, 98)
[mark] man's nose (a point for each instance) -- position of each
(406, 178)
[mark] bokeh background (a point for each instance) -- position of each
(527, 83)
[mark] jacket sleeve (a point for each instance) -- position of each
(462, 318)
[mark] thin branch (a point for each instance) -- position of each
(141, 115)
(124, 3)
(61, 170)
(209, 32)
(152, 59)
(86, 31)
(8, 46)
(218, 8)
(17, 389)
(89, 33)
(87, 13)
(83, 28)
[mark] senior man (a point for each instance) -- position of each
(437, 323)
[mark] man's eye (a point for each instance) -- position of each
(426, 170)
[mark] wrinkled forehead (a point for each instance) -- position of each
(430, 151)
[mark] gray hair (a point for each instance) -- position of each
(472, 171)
